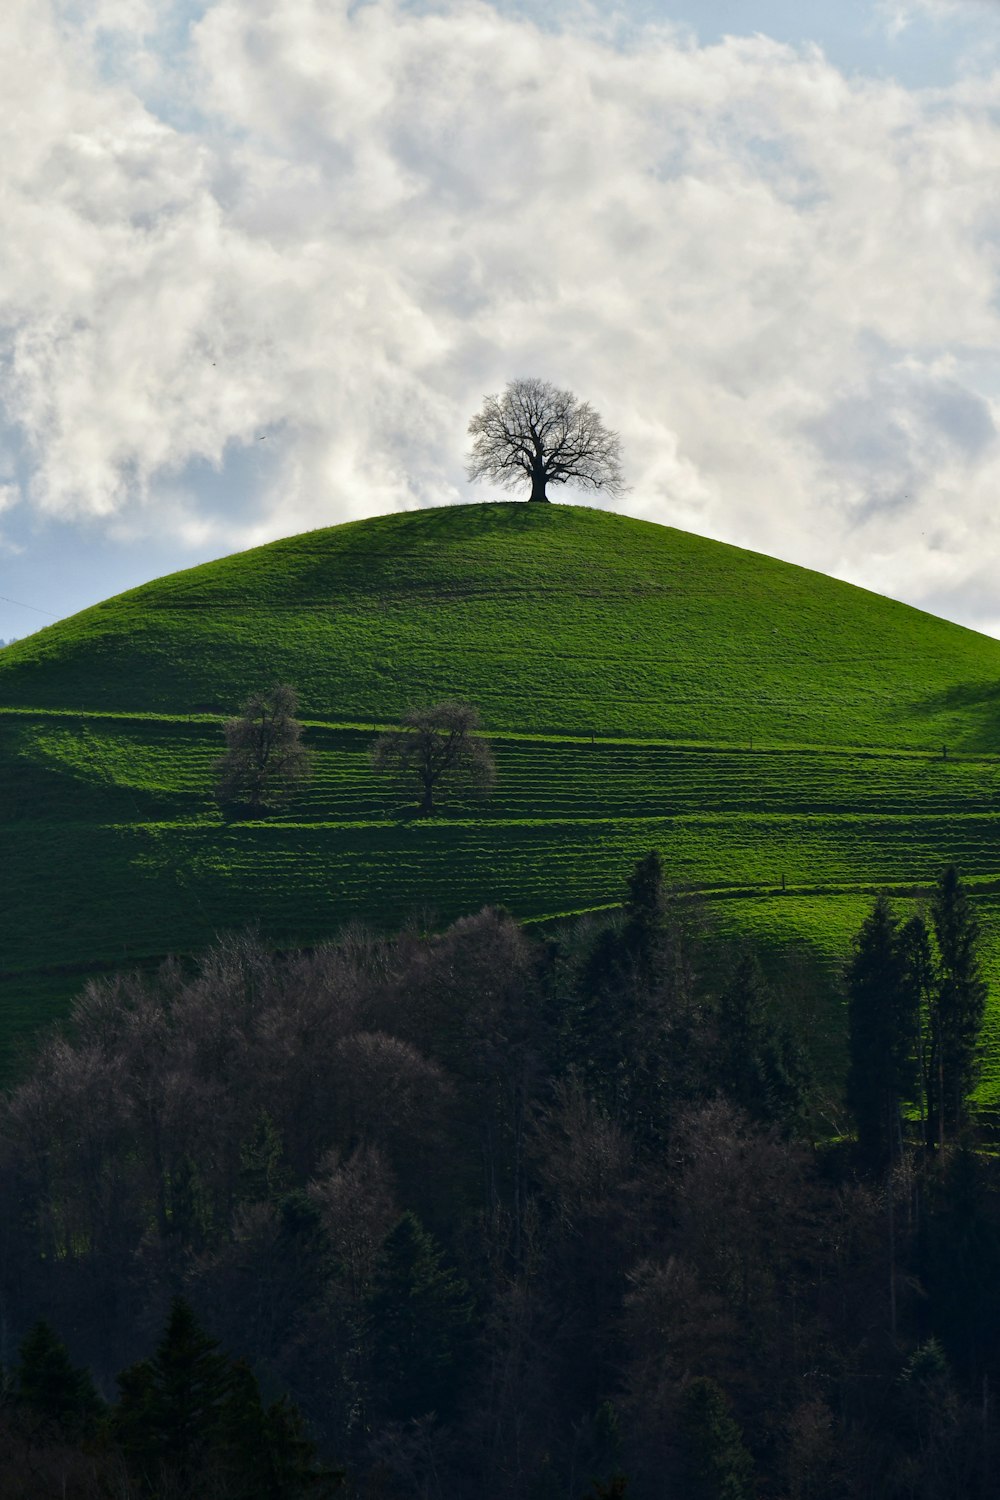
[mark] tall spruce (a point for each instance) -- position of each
(919, 978)
(634, 1020)
(265, 1453)
(958, 1248)
(883, 1027)
(714, 1464)
(419, 1313)
(52, 1389)
(169, 1408)
(957, 1007)
(616, 987)
(759, 1066)
(645, 914)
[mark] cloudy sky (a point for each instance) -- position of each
(262, 258)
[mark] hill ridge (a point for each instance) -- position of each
(777, 734)
(553, 619)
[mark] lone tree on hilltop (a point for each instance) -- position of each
(263, 759)
(438, 744)
(536, 434)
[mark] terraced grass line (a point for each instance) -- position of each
(759, 724)
(552, 619)
(64, 760)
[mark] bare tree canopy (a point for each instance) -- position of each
(438, 744)
(263, 758)
(536, 434)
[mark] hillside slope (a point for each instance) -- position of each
(776, 734)
(552, 619)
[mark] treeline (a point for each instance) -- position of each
(916, 1002)
(187, 1421)
(515, 1216)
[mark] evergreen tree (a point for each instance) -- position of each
(134, 1427)
(633, 1023)
(264, 1453)
(190, 1216)
(615, 1489)
(959, 1261)
(190, 1422)
(957, 1007)
(169, 1407)
(605, 1458)
(883, 1026)
(261, 1161)
(418, 1316)
(713, 1462)
(758, 1064)
(645, 915)
(919, 980)
(49, 1386)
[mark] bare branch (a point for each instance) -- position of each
(536, 432)
(436, 744)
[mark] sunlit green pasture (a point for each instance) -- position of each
(787, 742)
(552, 619)
(117, 813)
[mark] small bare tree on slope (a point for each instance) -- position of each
(538, 435)
(435, 745)
(263, 760)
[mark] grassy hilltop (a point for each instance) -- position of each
(553, 619)
(753, 720)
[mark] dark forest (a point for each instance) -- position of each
(503, 1214)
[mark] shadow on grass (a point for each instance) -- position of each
(33, 792)
(975, 708)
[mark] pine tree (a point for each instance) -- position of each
(418, 1316)
(714, 1463)
(632, 1023)
(918, 980)
(51, 1388)
(190, 1215)
(605, 1458)
(883, 1026)
(615, 1489)
(169, 1407)
(190, 1421)
(264, 1453)
(134, 1425)
(261, 1161)
(758, 1064)
(959, 1260)
(645, 914)
(957, 1007)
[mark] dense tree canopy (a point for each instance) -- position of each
(505, 1213)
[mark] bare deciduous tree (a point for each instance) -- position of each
(263, 758)
(438, 744)
(537, 434)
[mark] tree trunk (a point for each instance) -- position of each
(538, 485)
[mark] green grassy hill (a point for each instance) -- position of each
(762, 725)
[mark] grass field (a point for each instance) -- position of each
(762, 726)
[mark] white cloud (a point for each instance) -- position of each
(780, 284)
